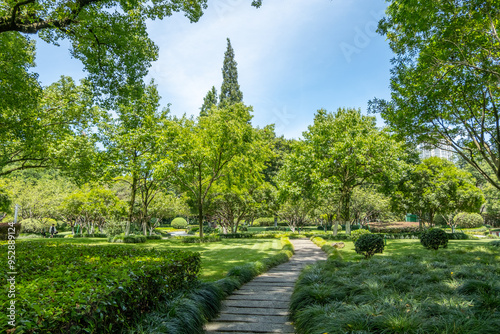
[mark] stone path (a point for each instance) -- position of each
(261, 305)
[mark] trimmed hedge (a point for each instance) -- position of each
(326, 247)
(434, 238)
(153, 237)
(129, 239)
(90, 235)
(63, 288)
(369, 244)
(179, 223)
(468, 220)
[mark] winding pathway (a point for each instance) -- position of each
(261, 305)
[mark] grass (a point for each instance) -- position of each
(407, 289)
(217, 258)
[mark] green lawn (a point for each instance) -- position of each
(407, 289)
(217, 257)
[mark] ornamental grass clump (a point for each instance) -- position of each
(369, 244)
(434, 238)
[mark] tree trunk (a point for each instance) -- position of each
(73, 229)
(336, 228)
(132, 202)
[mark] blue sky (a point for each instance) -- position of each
(294, 57)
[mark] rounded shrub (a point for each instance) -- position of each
(434, 238)
(179, 223)
(357, 233)
(468, 220)
(369, 244)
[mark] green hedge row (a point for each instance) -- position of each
(67, 288)
(129, 239)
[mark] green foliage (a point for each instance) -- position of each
(128, 239)
(357, 233)
(436, 186)
(179, 223)
(153, 237)
(230, 92)
(115, 227)
(129, 281)
(89, 235)
(434, 238)
(37, 225)
(197, 240)
(468, 220)
(369, 244)
(444, 86)
(265, 221)
(209, 101)
(344, 150)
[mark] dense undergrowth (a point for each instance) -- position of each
(417, 291)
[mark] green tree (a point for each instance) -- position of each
(134, 150)
(202, 152)
(347, 150)
(437, 186)
(230, 92)
(209, 101)
(368, 204)
(445, 77)
(58, 132)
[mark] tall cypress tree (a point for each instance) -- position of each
(209, 101)
(230, 91)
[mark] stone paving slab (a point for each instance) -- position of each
(261, 306)
(249, 327)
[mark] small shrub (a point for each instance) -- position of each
(357, 233)
(468, 220)
(434, 238)
(153, 237)
(369, 244)
(242, 228)
(269, 221)
(179, 223)
(129, 239)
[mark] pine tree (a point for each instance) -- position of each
(230, 91)
(209, 101)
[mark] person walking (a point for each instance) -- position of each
(52, 230)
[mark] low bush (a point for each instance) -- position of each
(7, 229)
(434, 238)
(242, 228)
(90, 235)
(495, 243)
(357, 233)
(62, 288)
(369, 244)
(206, 229)
(458, 236)
(153, 237)
(129, 239)
(395, 229)
(197, 240)
(267, 221)
(238, 235)
(468, 220)
(179, 223)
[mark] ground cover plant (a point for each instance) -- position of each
(408, 289)
(71, 288)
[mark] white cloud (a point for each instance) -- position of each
(191, 55)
